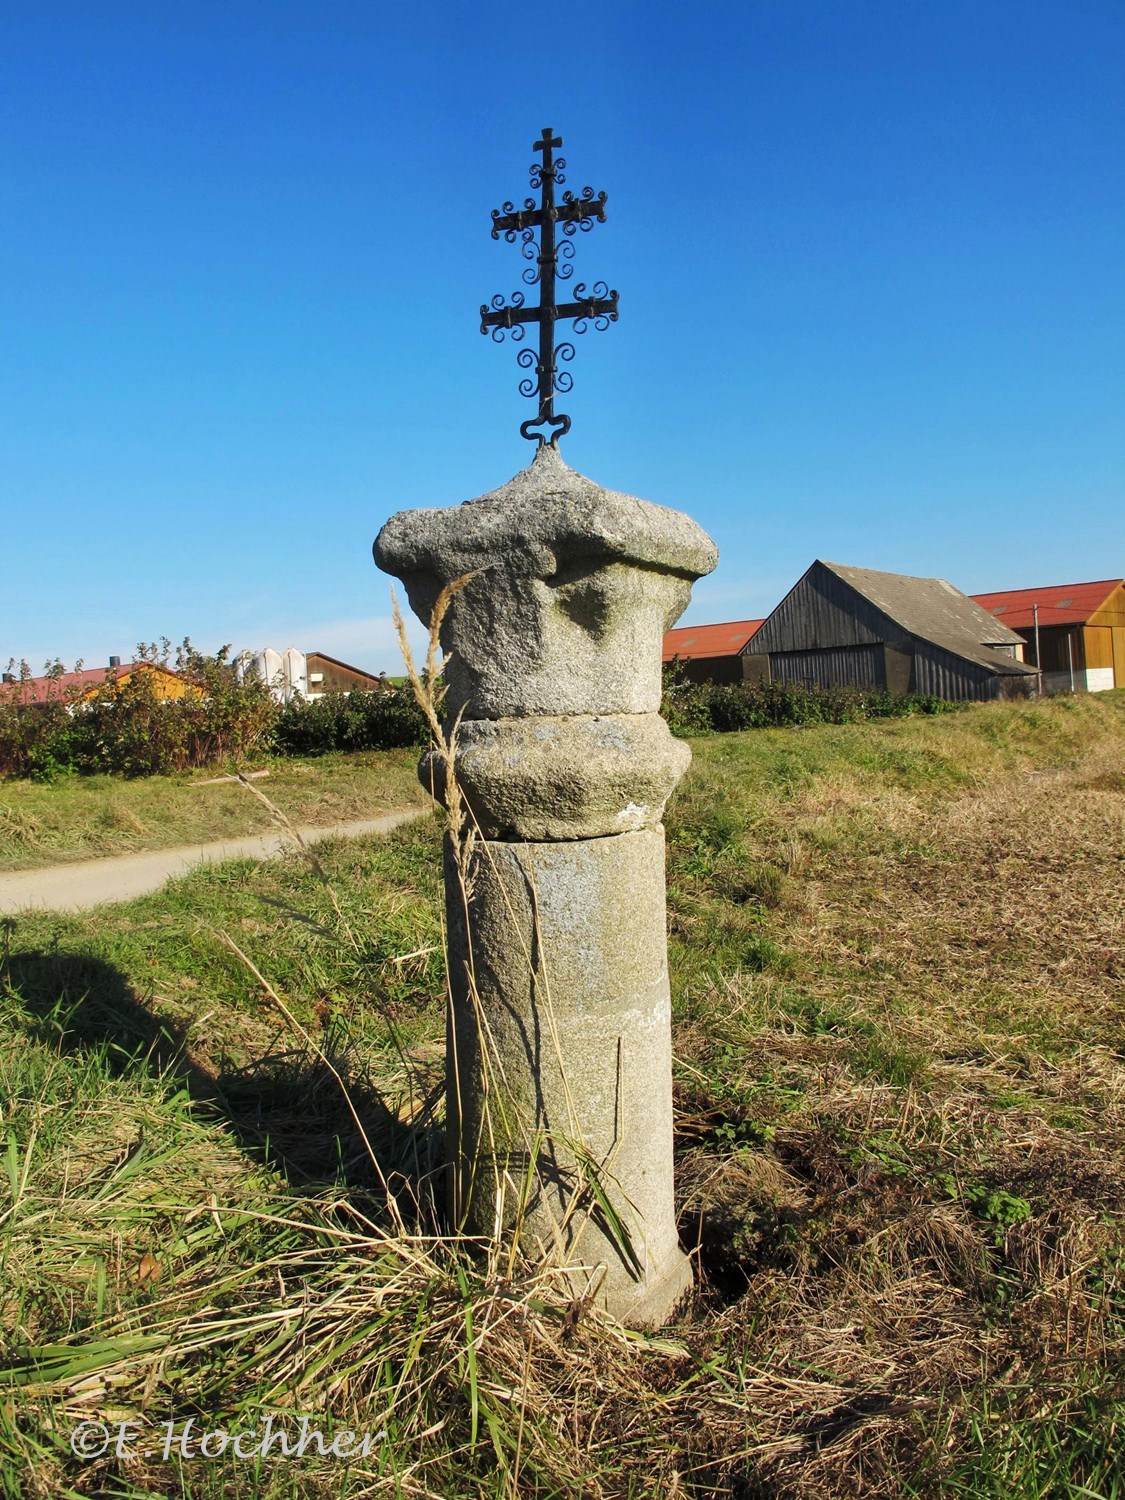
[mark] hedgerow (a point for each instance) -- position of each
(382, 720)
(693, 708)
(127, 728)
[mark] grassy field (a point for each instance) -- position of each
(84, 817)
(897, 959)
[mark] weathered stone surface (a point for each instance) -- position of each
(546, 514)
(559, 1047)
(580, 776)
(575, 587)
(566, 946)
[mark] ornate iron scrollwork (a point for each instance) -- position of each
(552, 260)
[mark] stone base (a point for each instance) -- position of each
(650, 1303)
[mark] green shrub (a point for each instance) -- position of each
(28, 733)
(693, 708)
(385, 719)
(684, 704)
(128, 728)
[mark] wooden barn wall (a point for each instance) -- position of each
(1052, 645)
(940, 674)
(1112, 612)
(1097, 641)
(835, 666)
(755, 668)
(338, 679)
(898, 668)
(824, 611)
(713, 669)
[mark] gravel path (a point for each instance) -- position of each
(120, 877)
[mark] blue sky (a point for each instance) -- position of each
(869, 256)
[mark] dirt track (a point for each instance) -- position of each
(94, 882)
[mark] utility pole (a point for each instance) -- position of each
(1038, 658)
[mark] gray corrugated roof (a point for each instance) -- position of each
(935, 611)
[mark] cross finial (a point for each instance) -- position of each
(551, 261)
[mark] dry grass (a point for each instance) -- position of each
(900, 1081)
(905, 1141)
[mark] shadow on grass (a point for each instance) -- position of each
(318, 1119)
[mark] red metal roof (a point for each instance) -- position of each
(1059, 603)
(70, 685)
(692, 641)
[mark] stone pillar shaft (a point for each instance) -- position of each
(571, 1074)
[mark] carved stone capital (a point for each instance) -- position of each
(574, 588)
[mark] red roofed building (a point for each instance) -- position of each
(1081, 631)
(75, 687)
(710, 653)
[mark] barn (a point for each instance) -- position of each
(710, 653)
(297, 674)
(841, 626)
(1074, 631)
(327, 675)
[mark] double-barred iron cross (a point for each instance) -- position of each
(552, 260)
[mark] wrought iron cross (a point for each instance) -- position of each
(552, 260)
